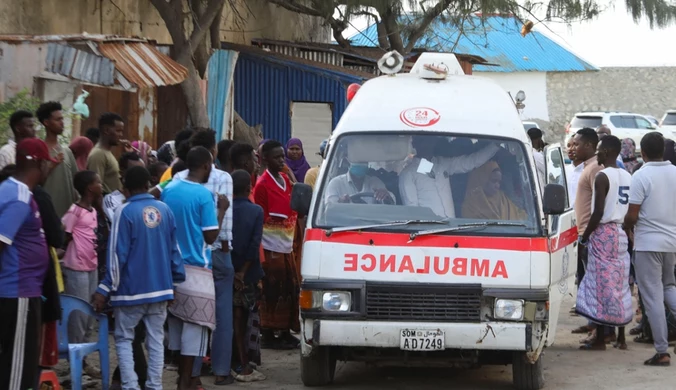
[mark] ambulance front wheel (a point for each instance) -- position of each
(526, 375)
(318, 368)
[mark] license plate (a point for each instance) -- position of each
(421, 340)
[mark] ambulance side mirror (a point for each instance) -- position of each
(301, 197)
(554, 201)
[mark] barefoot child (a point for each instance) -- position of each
(604, 296)
(247, 232)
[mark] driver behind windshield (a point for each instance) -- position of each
(342, 188)
(484, 198)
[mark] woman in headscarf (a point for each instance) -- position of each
(628, 155)
(295, 159)
(143, 150)
(485, 200)
(81, 146)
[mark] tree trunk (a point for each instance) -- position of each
(383, 42)
(197, 109)
(389, 20)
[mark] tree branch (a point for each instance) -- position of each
(294, 6)
(215, 29)
(425, 22)
(200, 26)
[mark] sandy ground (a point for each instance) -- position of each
(566, 367)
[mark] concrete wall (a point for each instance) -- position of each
(139, 18)
(645, 90)
(533, 84)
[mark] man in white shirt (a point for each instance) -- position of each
(342, 187)
(431, 187)
(573, 171)
(113, 200)
(23, 126)
(652, 209)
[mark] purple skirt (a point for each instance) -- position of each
(604, 296)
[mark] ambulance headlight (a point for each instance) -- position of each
(508, 309)
(336, 301)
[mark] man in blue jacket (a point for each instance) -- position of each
(144, 265)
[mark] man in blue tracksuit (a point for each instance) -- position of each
(144, 264)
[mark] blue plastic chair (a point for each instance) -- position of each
(75, 353)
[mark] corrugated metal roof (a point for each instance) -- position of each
(68, 38)
(498, 40)
(143, 65)
(334, 70)
(367, 53)
(80, 65)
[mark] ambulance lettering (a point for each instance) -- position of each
(459, 266)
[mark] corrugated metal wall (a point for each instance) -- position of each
(265, 88)
(172, 113)
(219, 92)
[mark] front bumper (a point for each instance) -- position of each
(507, 336)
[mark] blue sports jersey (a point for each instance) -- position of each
(25, 259)
(195, 212)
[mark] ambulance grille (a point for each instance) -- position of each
(415, 302)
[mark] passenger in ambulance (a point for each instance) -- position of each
(425, 181)
(485, 199)
(343, 188)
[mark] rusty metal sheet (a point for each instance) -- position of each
(80, 65)
(143, 65)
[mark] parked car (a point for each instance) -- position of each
(621, 124)
(653, 120)
(668, 122)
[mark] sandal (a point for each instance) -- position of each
(655, 360)
(643, 339)
(635, 331)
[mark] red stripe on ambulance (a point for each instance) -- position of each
(524, 244)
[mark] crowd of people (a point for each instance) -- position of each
(192, 249)
(626, 221)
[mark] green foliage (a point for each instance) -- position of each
(401, 23)
(21, 101)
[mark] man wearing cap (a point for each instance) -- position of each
(24, 261)
(312, 173)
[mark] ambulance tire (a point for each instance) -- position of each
(527, 376)
(318, 368)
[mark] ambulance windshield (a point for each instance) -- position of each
(373, 179)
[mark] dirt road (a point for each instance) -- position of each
(566, 367)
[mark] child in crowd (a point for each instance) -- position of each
(144, 263)
(156, 170)
(80, 260)
(247, 232)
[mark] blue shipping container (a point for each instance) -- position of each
(265, 87)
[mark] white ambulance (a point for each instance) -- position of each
(428, 240)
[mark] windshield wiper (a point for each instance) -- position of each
(386, 224)
(464, 226)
